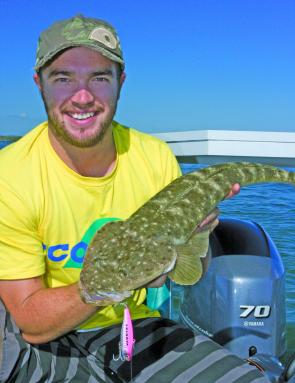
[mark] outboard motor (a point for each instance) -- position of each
(240, 301)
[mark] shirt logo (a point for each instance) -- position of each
(59, 252)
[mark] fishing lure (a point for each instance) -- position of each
(126, 344)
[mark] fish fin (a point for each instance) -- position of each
(188, 269)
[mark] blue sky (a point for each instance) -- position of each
(191, 65)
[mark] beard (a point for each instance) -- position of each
(58, 128)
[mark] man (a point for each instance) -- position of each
(59, 184)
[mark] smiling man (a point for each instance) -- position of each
(61, 183)
(81, 100)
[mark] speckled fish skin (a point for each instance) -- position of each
(125, 255)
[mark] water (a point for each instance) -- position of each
(4, 143)
(273, 207)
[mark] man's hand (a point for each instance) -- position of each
(235, 189)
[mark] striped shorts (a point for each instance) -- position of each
(164, 352)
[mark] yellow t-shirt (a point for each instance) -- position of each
(49, 213)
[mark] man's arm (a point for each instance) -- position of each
(43, 314)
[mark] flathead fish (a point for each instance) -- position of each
(161, 236)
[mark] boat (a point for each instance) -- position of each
(240, 301)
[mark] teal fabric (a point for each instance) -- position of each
(158, 297)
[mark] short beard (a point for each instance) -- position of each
(58, 129)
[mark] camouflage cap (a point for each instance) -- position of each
(79, 31)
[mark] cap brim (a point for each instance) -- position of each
(95, 47)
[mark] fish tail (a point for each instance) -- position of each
(259, 173)
(251, 173)
(215, 183)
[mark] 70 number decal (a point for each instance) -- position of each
(258, 311)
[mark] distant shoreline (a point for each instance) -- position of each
(9, 138)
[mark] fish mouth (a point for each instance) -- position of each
(114, 295)
(102, 298)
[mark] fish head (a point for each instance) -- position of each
(121, 259)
